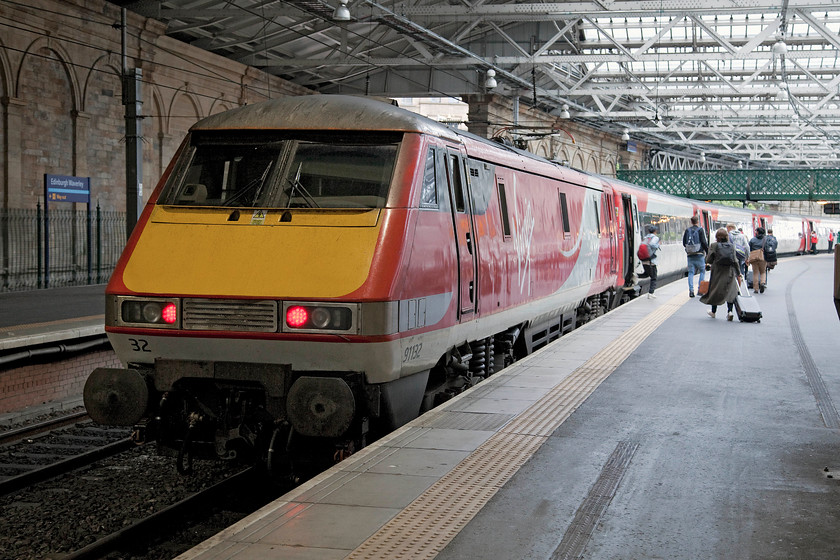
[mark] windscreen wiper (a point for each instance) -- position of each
(304, 194)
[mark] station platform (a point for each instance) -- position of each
(652, 432)
(35, 317)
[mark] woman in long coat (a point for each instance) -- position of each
(723, 285)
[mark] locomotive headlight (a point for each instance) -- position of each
(149, 312)
(321, 317)
(309, 317)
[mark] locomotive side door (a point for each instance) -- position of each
(609, 218)
(629, 237)
(464, 234)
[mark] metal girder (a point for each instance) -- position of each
(710, 71)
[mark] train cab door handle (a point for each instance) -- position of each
(469, 243)
(472, 294)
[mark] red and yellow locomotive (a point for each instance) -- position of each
(314, 271)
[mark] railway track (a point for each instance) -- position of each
(115, 498)
(146, 533)
(40, 451)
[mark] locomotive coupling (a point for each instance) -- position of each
(116, 397)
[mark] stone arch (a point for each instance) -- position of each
(157, 132)
(100, 131)
(6, 86)
(542, 149)
(563, 155)
(608, 167)
(220, 105)
(109, 64)
(178, 119)
(577, 160)
(592, 164)
(49, 93)
(63, 58)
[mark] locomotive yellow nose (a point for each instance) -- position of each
(198, 252)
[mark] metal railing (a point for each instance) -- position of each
(75, 258)
(741, 184)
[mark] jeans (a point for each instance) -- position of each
(728, 307)
(696, 263)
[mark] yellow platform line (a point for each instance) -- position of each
(435, 517)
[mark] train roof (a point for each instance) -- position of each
(325, 112)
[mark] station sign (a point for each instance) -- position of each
(65, 188)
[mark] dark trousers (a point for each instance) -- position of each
(650, 272)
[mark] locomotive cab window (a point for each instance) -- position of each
(270, 171)
(428, 194)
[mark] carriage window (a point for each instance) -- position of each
(264, 171)
(428, 195)
(597, 212)
(504, 208)
(564, 211)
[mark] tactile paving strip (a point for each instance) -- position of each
(431, 521)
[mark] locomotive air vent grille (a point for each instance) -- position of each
(230, 315)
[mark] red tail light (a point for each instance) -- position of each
(297, 316)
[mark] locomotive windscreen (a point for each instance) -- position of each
(239, 169)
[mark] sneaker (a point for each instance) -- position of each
(729, 316)
(712, 314)
(761, 288)
(690, 294)
(651, 296)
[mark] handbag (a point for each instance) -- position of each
(703, 287)
(757, 255)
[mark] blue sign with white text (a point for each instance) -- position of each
(64, 188)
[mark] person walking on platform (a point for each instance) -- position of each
(726, 273)
(771, 244)
(830, 240)
(741, 244)
(757, 261)
(696, 247)
(650, 265)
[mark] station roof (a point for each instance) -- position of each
(756, 82)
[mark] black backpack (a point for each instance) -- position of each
(724, 254)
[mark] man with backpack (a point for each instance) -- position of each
(696, 247)
(647, 254)
(741, 243)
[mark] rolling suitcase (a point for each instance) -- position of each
(747, 306)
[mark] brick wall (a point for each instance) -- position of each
(39, 383)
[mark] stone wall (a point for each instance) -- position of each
(558, 139)
(61, 95)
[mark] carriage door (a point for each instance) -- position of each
(629, 236)
(608, 216)
(464, 236)
(707, 226)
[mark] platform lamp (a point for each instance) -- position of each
(564, 112)
(341, 13)
(625, 135)
(490, 82)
